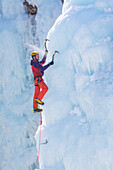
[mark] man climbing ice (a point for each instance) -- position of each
(40, 86)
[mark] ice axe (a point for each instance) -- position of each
(54, 55)
(45, 142)
(45, 44)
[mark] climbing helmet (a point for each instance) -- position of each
(34, 53)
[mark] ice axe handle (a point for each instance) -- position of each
(45, 43)
(54, 55)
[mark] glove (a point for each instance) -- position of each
(46, 51)
(52, 62)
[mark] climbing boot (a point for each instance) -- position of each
(37, 110)
(39, 101)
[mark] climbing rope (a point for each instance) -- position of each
(39, 140)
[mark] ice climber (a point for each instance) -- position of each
(40, 86)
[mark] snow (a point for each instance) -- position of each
(78, 111)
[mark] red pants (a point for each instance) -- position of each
(40, 91)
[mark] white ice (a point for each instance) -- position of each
(78, 110)
(78, 114)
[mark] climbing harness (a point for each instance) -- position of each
(37, 80)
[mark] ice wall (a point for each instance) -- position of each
(77, 118)
(18, 124)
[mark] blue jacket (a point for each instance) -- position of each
(37, 68)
